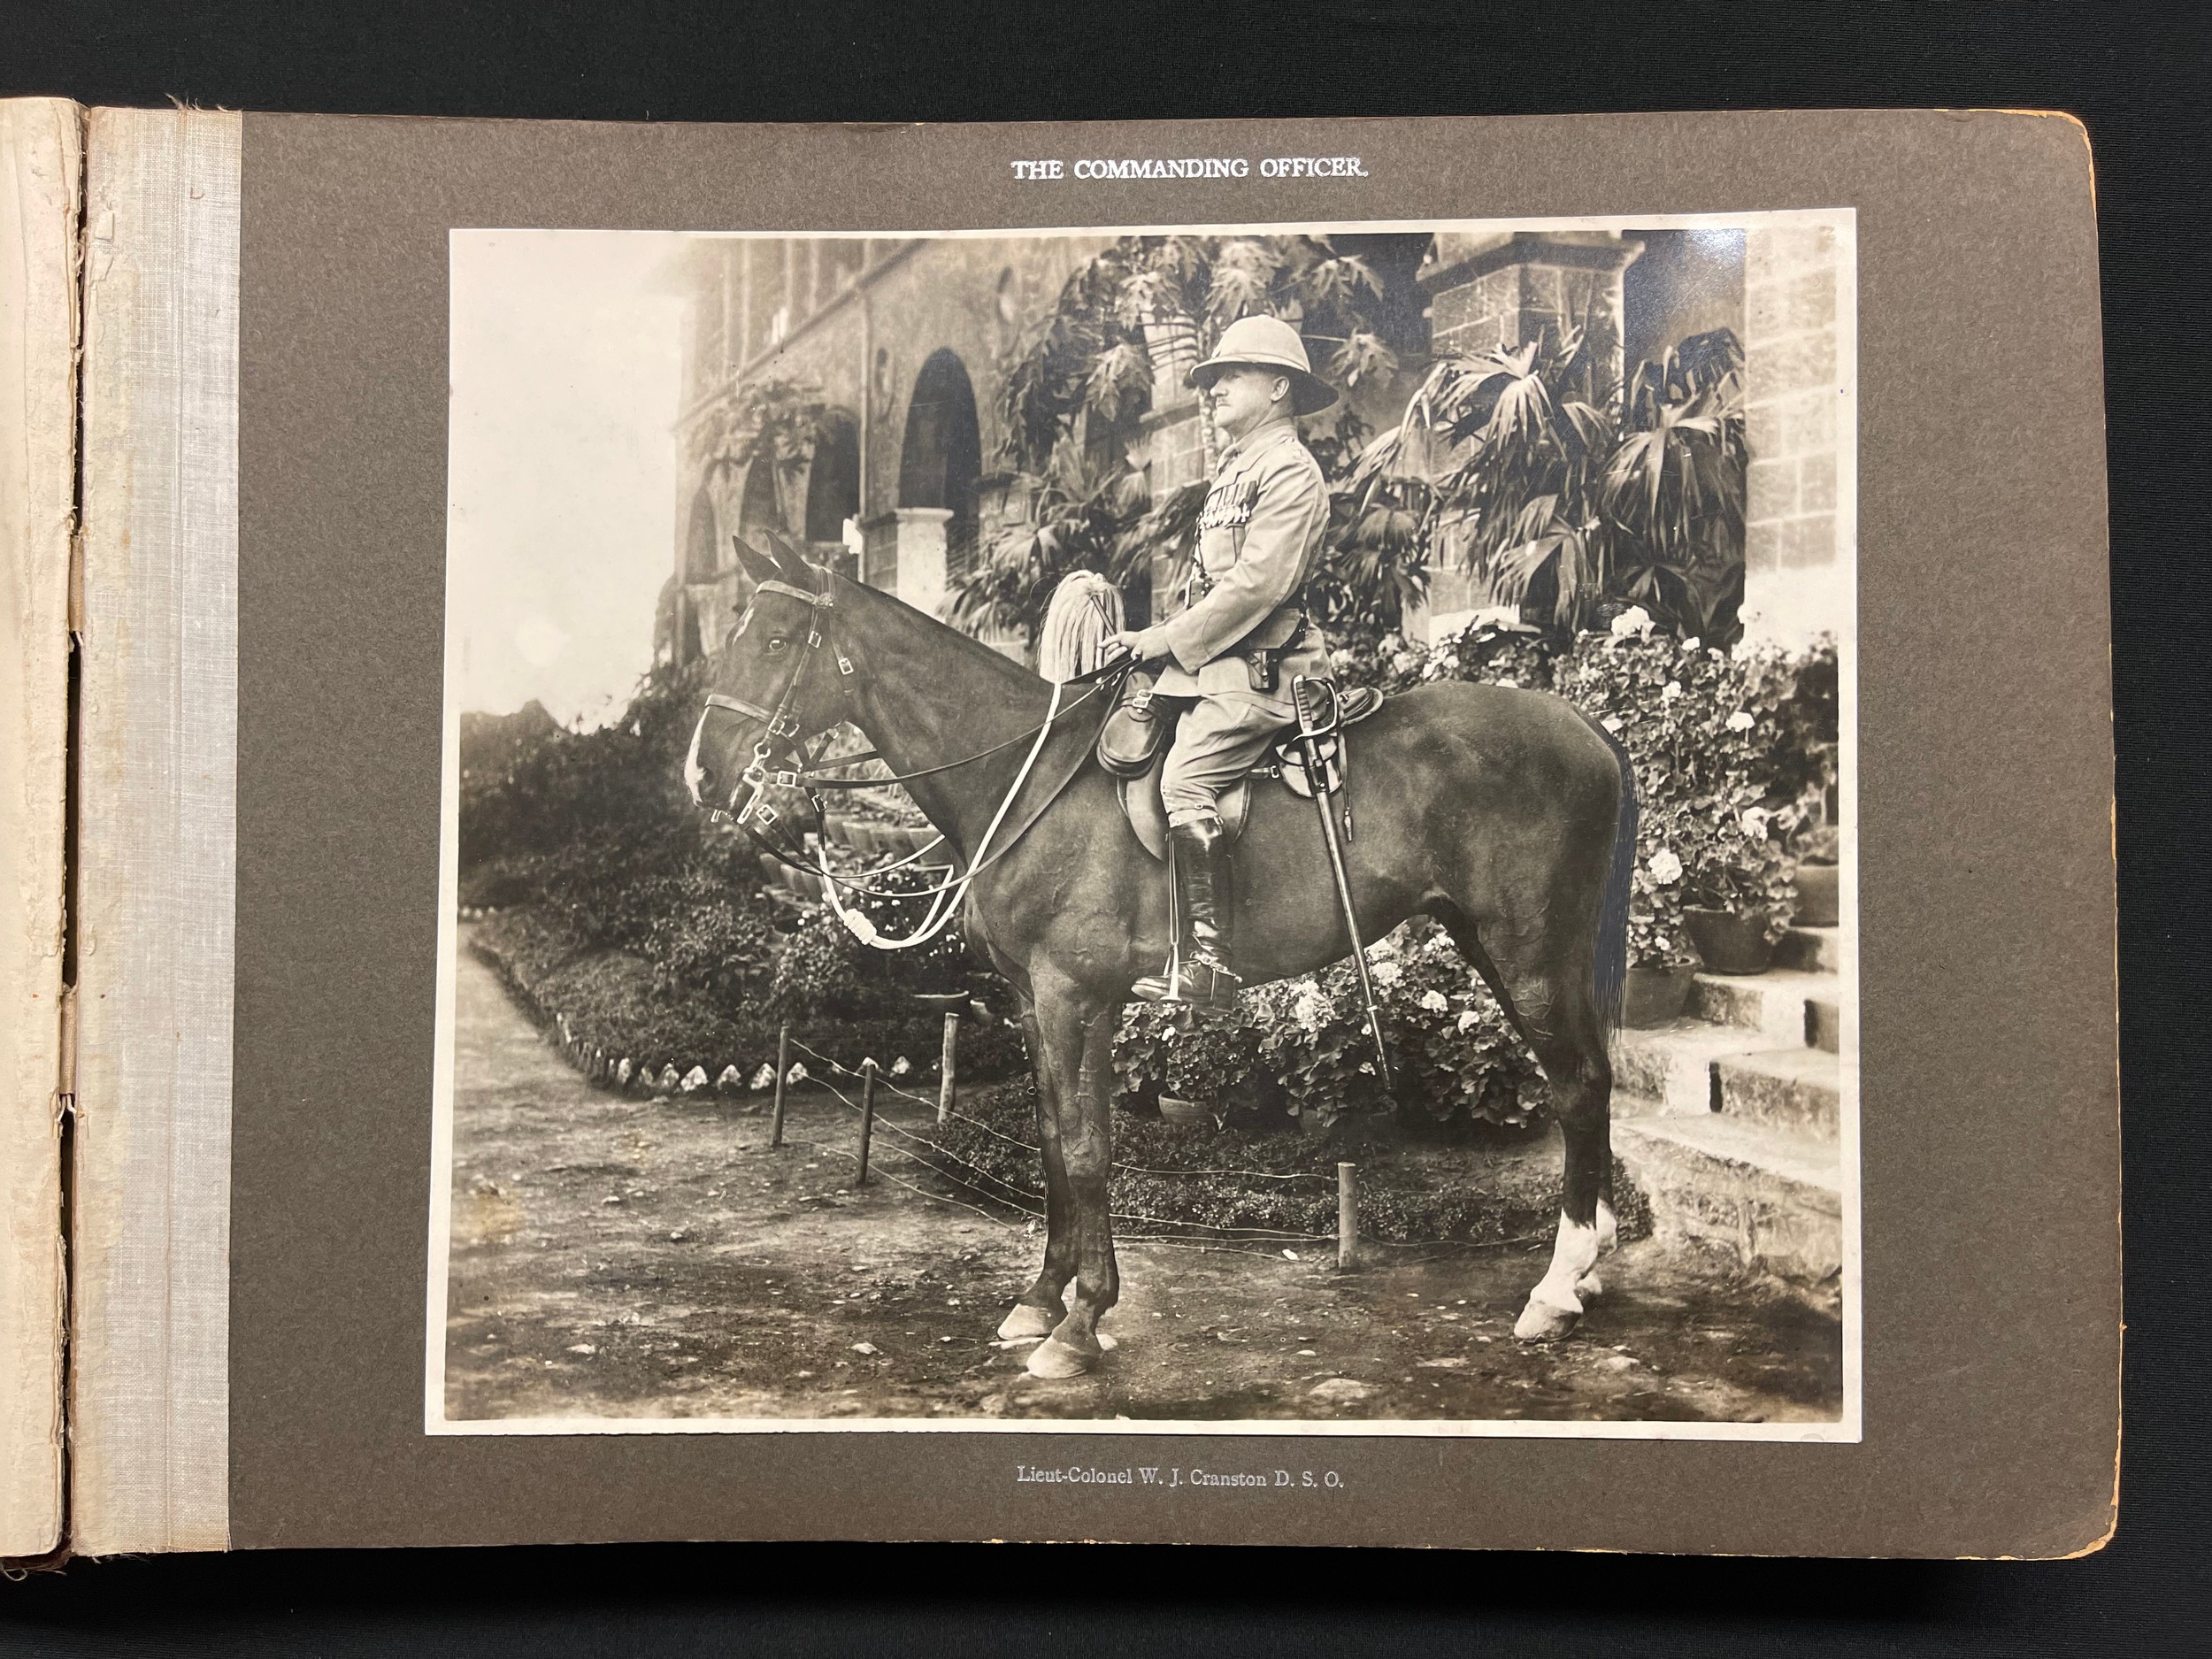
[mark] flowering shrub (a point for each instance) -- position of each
(1722, 776)
(1456, 1055)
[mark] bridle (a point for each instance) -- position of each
(781, 725)
(757, 816)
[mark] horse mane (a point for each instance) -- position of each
(1079, 624)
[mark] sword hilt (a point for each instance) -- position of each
(1310, 698)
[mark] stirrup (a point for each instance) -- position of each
(1198, 985)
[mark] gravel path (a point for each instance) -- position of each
(613, 1257)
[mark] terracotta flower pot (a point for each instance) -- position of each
(1820, 895)
(1730, 943)
(1656, 996)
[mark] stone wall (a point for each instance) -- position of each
(1795, 565)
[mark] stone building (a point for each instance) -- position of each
(908, 339)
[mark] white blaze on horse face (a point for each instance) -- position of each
(692, 773)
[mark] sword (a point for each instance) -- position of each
(1306, 696)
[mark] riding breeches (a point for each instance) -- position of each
(1216, 741)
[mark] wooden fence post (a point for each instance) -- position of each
(945, 1064)
(783, 1066)
(1347, 1214)
(867, 1115)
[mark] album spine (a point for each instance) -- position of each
(155, 814)
(42, 153)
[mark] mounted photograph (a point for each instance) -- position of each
(1189, 829)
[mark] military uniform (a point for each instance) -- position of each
(1259, 541)
(1233, 651)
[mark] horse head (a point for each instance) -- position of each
(778, 682)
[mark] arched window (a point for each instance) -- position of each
(702, 554)
(942, 456)
(760, 509)
(832, 484)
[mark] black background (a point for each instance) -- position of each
(2135, 73)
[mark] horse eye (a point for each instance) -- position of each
(774, 646)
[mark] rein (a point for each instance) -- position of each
(810, 774)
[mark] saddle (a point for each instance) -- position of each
(1133, 745)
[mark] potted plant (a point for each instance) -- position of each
(1739, 877)
(1662, 962)
(1819, 893)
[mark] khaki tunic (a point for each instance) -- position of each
(1259, 541)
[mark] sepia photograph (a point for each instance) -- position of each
(1161, 828)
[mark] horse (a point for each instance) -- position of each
(1507, 815)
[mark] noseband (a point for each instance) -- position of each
(782, 726)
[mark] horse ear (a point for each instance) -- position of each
(791, 563)
(756, 564)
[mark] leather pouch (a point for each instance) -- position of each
(1133, 733)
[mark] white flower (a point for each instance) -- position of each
(1635, 621)
(1671, 692)
(1311, 1008)
(1741, 721)
(1434, 1000)
(1754, 822)
(1690, 645)
(765, 1077)
(1468, 1020)
(901, 1066)
(1665, 868)
(797, 1074)
(1611, 723)
(1386, 974)
(1741, 650)
(1367, 1066)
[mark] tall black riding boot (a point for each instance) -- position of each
(1198, 971)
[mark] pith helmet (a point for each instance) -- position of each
(1268, 343)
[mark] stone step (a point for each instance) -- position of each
(1778, 1003)
(1771, 1198)
(1796, 1089)
(1811, 950)
(1823, 1022)
(1670, 1068)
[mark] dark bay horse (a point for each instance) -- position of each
(1507, 815)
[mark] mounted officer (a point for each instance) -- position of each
(1227, 658)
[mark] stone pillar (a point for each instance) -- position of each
(921, 579)
(1795, 563)
(1502, 288)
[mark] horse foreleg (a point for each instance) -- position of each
(1040, 1308)
(1079, 1040)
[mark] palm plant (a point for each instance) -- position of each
(1081, 517)
(1525, 459)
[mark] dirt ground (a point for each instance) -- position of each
(613, 1257)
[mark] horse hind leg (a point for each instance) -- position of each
(1554, 1005)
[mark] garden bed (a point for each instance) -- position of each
(618, 1005)
(1490, 1186)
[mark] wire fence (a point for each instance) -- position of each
(1022, 1199)
(1015, 1140)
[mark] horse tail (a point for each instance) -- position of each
(1080, 623)
(1612, 953)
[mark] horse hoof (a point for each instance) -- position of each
(1054, 1359)
(1027, 1319)
(1540, 1321)
(1588, 1286)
